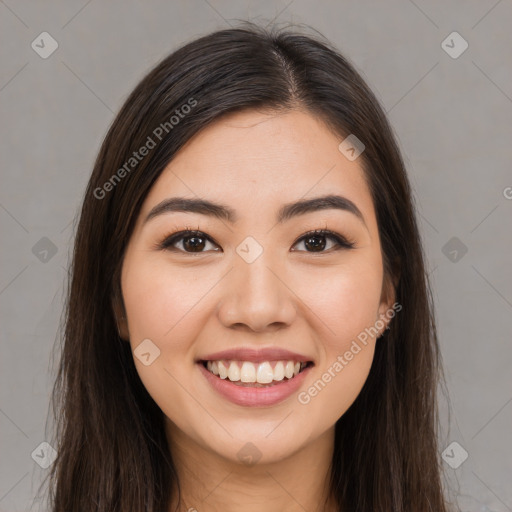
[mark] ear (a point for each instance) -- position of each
(120, 316)
(387, 306)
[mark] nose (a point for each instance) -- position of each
(256, 297)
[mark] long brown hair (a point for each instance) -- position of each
(109, 433)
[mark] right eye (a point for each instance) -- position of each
(192, 241)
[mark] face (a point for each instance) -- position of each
(252, 290)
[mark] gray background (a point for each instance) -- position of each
(452, 117)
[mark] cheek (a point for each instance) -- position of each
(336, 384)
(345, 303)
(344, 299)
(163, 303)
(347, 348)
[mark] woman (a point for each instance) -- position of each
(249, 322)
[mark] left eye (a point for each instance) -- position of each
(316, 240)
(195, 241)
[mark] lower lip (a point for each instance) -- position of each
(254, 397)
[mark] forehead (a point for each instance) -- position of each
(257, 161)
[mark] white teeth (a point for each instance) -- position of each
(248, 372)
(213, 367)
(262, 373)
(265, 373)
(223, 372)
(279, 371)
(234, 372)
(288, 370)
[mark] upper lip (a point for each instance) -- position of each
(256, 355)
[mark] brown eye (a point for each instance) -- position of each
(191, 241)
(194, 243)
(315, 241)
(187, 241)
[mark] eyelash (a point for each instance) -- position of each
(168, 242)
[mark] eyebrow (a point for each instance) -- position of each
(223, 212)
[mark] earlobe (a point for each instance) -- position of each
(120, 319)
(383, 321)
(122, 327)
(387, 305)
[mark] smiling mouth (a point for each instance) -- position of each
(256, 375)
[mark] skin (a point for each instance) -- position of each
(190, 304)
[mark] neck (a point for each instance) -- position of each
(212, 483)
